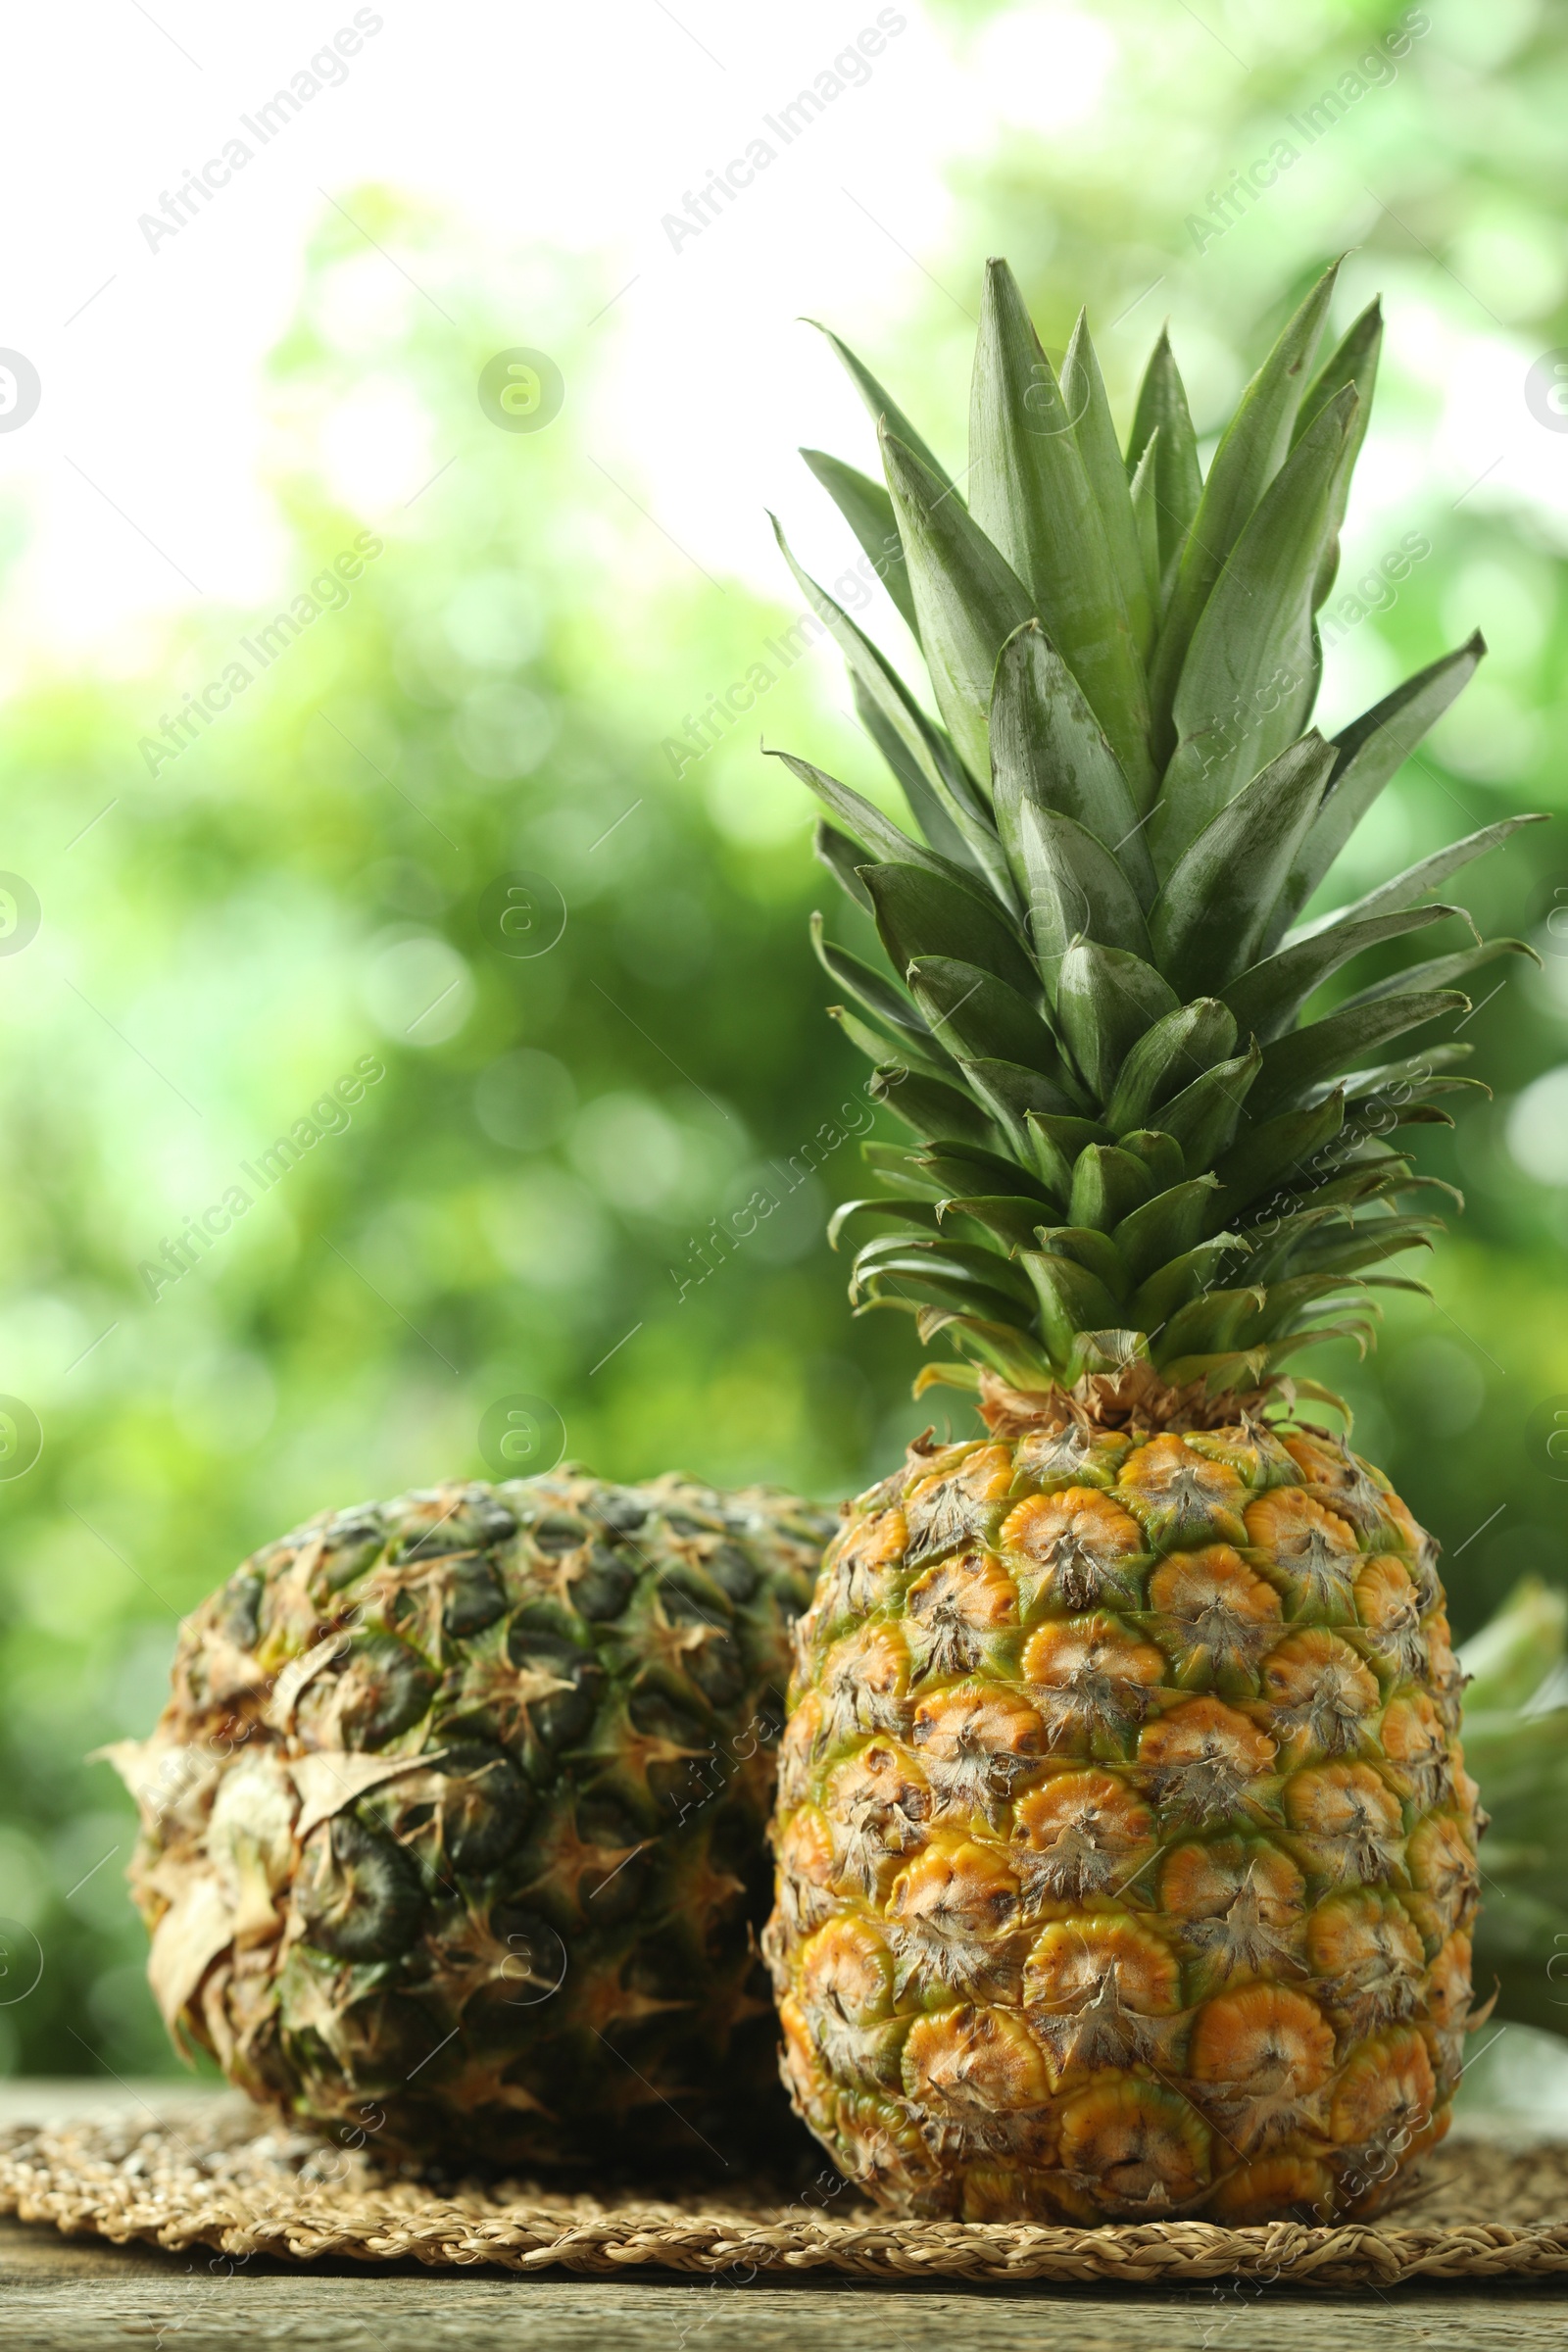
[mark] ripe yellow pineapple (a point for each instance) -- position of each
(1126, 1854)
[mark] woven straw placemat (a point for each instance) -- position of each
(1480, 2211)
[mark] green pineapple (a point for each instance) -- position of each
(1126, 1854)
(452, 1826)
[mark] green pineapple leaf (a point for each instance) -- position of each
(1048, 751)
(913, 1216)
(882, 410)
(960, 1168)
(1107, 1185)
(1160, 1153)
(1428, 873)
(965, 835)
(915, 1253)
(894, 1164)
(1208, 921)
(1204, 1116)
(843, 859)
(1164, 1227)
(1030, 494)
(1012, 1218)
(867, 824)
(919, 912)
(969, 598)
(1251, 452)
(1180, 1280)
(1310, 1055)
(868, 511)
(1440, 972)
(1071, 1300)
(925, 749)
(931, 1106)
(1074, 886)
(1247, 683)
(973, 1012)
(882, 997)
(1273, 1149)
(1055, 1143)
(1083, 390)
(1353, 363)
(1166, 1057)
(1178, 485)
(1105, 999)
(1100, 965)
(1267, 998)
(883, 1050)
(1367, 754)
(1143, 495)
(1010, 1091)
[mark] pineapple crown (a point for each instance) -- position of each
(1136, 1162)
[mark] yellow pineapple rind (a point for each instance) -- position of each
(1125, 1846)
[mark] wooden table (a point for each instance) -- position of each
(60, 2294)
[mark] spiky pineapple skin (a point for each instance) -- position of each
(1125, 1849)
(532, 1942)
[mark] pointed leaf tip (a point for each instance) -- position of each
(883, 409)
(1034, 495)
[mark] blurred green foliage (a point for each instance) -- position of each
(302, 886)
(515, 1201)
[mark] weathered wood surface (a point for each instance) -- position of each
(60, 2294)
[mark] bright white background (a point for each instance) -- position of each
(570, 131)
(577, 128)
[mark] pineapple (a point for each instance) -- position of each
(452, 1826)
(1125, 1850)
